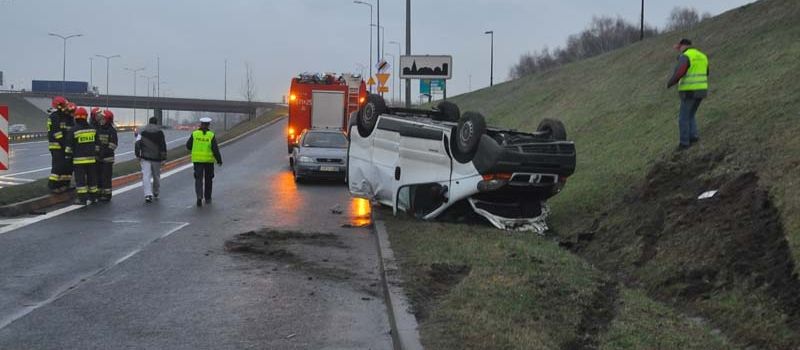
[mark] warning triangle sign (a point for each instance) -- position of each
(382, 78)
(371, 81)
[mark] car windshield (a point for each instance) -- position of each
(325, 140)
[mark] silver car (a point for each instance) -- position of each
(320, 154)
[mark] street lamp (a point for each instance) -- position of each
(64, 67)
(383, 35)
(396, 76)
(108, 63)
(134, 71)
(491, 62)
(369, 62)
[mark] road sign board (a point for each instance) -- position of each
(382, 78)
(383, 66)
(424, 87)
(371, 81)
(437, 84)
(4, 138)
(426, 67)
(383, 89)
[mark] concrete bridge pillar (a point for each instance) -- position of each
(159, 114)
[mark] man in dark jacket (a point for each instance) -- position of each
(691, 76)
(205, 151)
(82, 147)
(151, 149)
(107, 137)
(60, 172)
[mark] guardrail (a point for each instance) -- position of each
(26, 136)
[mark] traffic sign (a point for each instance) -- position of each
(382, 65)
(437, 84)
(383, 89)
(426, 67)
(382, 78)
(424, 86)
(371, 81)
(4, 138)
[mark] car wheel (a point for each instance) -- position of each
(554, 127)
(297, 178)
(368, 114)
(290, 148)
(470, 128)
(448, 111)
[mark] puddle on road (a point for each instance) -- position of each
(360, 213)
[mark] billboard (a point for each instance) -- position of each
(426, 67)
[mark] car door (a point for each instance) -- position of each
(385, 152)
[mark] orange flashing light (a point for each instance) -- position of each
(291, 131)
(292, 97)
(361, 100)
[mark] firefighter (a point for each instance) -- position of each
(83, 147)
(60, 173)
(107, 138)
(204, 148)
(67, 124)
(95, 115)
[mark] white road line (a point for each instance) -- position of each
(70, 208)
(15, 179)
(28, 172)
(72, 285)
(28, 143)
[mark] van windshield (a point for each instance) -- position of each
(325, 140)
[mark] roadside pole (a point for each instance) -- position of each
(4, 150)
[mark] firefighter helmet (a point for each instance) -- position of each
(94, 113)
(71, 107)
(108, 115)
(80, 113)
(59, 102)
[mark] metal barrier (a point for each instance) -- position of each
(26, 136)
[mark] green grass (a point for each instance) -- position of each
(522, 292)
(38, 188)
(623, 120)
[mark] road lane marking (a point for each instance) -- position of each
(27, 172)
(71, 208)
(76, 282)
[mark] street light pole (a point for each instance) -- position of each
(134, 71)
(64, 66)
(108, 63)
(382, 32)
(369, 62)
(408, 50)
(641, 28)
(392, 57)
(491, 62)
(225, 96)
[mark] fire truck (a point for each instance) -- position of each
(322, 101)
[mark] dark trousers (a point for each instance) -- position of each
(86, 181)
(203, 179)
(687, 125)
(60, 170)
(104, 171)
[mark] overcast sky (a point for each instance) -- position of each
(282, 38)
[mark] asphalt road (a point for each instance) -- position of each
(128, 275)
(30, 161)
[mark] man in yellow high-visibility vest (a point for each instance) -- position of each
(691, 76)
(205, 152)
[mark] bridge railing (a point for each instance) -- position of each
(26, 136)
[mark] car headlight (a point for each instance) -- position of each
(304, 159)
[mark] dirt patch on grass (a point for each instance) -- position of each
(686, 250)
(275, 245)
(434, 282)
(596, 318)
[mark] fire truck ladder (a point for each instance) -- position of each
(352, 98)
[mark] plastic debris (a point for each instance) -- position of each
(707, 194)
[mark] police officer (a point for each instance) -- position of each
(205, 151)
(83, 148)
(107, 138)
(691, 76)
(60, 173)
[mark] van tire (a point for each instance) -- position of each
(448, 111)
(470, 129)
(554, 127)
(367, 116)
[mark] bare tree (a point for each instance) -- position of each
(682, 18)
(603, 34)
(249, 89)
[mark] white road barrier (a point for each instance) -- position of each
(3, 138)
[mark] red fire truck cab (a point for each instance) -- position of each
(322, 101)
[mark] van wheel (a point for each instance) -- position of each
(471, 128)
(448, 111)
(368, 114)
(554, 127)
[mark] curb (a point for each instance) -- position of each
(46, 201)
(405, 333)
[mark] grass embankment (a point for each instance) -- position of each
(39, 188)
(624, 122)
